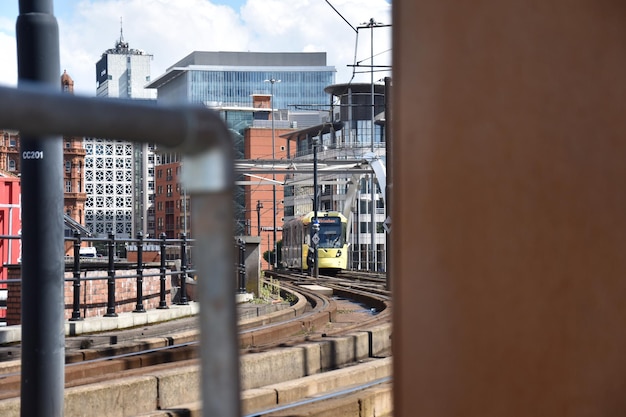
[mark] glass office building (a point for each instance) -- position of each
(219, 79)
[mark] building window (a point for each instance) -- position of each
(11, 165)
(364, 207)
(68, 186)
(68, 166)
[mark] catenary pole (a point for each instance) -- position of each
(373, 267)
(43, 341)
(389, 178)
(316, 225)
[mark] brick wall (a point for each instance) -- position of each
(14, 298)
(94, 293)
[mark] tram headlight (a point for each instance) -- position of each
(338, 253)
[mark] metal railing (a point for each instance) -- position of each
(114, 264)
(39, 111)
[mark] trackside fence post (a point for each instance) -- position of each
(241, 267)
(183, 268)
(163, 271)
(76, 275)
(111, 277)
(139, 308)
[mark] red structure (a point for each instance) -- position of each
(171, 204)
(259, 198)
(74, 196)
(10, 224)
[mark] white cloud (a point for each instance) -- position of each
(170, 30)
(8, 67)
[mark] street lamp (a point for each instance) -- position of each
(316, 224)
(259, 206)
(273, 81)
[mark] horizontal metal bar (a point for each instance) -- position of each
(251, 171)
(38, 110)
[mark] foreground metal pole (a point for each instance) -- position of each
(204, 139)
(210, 182)
(43, 332)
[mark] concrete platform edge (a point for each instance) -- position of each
(12, 334)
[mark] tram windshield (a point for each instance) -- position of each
(330, 234)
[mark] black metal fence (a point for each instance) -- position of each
(118, 256)
(107, 257)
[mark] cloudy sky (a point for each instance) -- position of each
(171, 29)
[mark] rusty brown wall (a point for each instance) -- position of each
(509, 208)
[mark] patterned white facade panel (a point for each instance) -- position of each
(109, 187)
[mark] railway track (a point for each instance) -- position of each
(313, 318)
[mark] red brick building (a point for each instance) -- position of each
(258, 145)
(73, 165)
(171, 204)
(74, 196)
